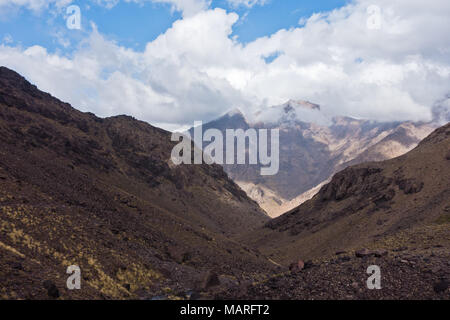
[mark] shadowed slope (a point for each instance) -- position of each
(104, 195)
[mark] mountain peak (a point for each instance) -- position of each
(293, 104)
(234, 112)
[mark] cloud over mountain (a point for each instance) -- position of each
(197, 70)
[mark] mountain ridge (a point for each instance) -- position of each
(102, 194)
(311, 153)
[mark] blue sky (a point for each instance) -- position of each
(173, 62)
(134, 25)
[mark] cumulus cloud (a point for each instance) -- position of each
(197, 70)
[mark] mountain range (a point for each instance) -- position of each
(393, 214)
(312, 148)
(103, 194)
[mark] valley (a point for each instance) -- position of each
(313, 147)
(104, 195)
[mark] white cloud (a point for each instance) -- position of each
(35, 5)
(197, 70)
(247, 3)
(187, 7)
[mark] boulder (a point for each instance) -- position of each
(52, 290)
(380, 253)
(363, 253)
(297, 266)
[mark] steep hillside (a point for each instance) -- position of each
(103, 194)
(393, 214)
(367, 203)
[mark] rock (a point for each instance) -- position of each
(297, 266)
(338, 253)
(309, 264)
(127, 286)
(363, 253)
(410, 186)
(441, 286)
(380, 253)
(211, 280)
(52, 290)
(404, 261)
(300, 265)
(447, 156)
(344, 259)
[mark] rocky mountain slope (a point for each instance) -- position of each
(393, 214)
(313, 148)
(367, 203)
(103, 194)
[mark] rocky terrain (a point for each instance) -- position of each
(394, 214)
(103, 194)
(313, 148)
(405, 276)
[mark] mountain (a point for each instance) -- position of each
(394, 214)
(368, 202)
(103, 194)
(313, 148)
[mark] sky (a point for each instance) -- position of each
(173, 62)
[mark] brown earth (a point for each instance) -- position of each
(76, 189)
(103, 194)
(366, 202)
(399, 206)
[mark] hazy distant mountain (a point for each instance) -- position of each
(312, 148)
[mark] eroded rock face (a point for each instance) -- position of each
(354, 182)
